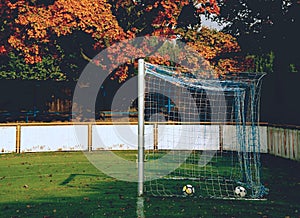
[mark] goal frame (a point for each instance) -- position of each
(141, 129)
(141, 125)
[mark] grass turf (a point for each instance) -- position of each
(66, 184)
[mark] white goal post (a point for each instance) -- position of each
(141, 146)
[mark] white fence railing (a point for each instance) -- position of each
(39, 137)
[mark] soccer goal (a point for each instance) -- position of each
(205, 134)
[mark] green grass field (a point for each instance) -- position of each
(66, 184)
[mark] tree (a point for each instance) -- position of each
(264, 26)
(41, 28)
(37, 26)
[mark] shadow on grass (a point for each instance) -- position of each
(109, 198)
(105, 199)
(74, 175)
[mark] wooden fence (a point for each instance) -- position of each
(284, 142)
(61, 136)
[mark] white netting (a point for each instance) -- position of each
(205, 133)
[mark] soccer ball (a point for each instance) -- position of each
(188, 190)
(240, 191)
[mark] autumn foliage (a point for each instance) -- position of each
(33, 28)
(36, 25)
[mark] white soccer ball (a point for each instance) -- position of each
(188, 190)
(240, 191)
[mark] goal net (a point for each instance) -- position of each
(205, 133)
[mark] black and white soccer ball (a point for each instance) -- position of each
(240, 192)
(188, 190)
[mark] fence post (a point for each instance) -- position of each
(90, 137)
(221, 138)
(297, 146)
(155, 136)
(18, 138)
(270, 140)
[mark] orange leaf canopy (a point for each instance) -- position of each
(38, 26)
